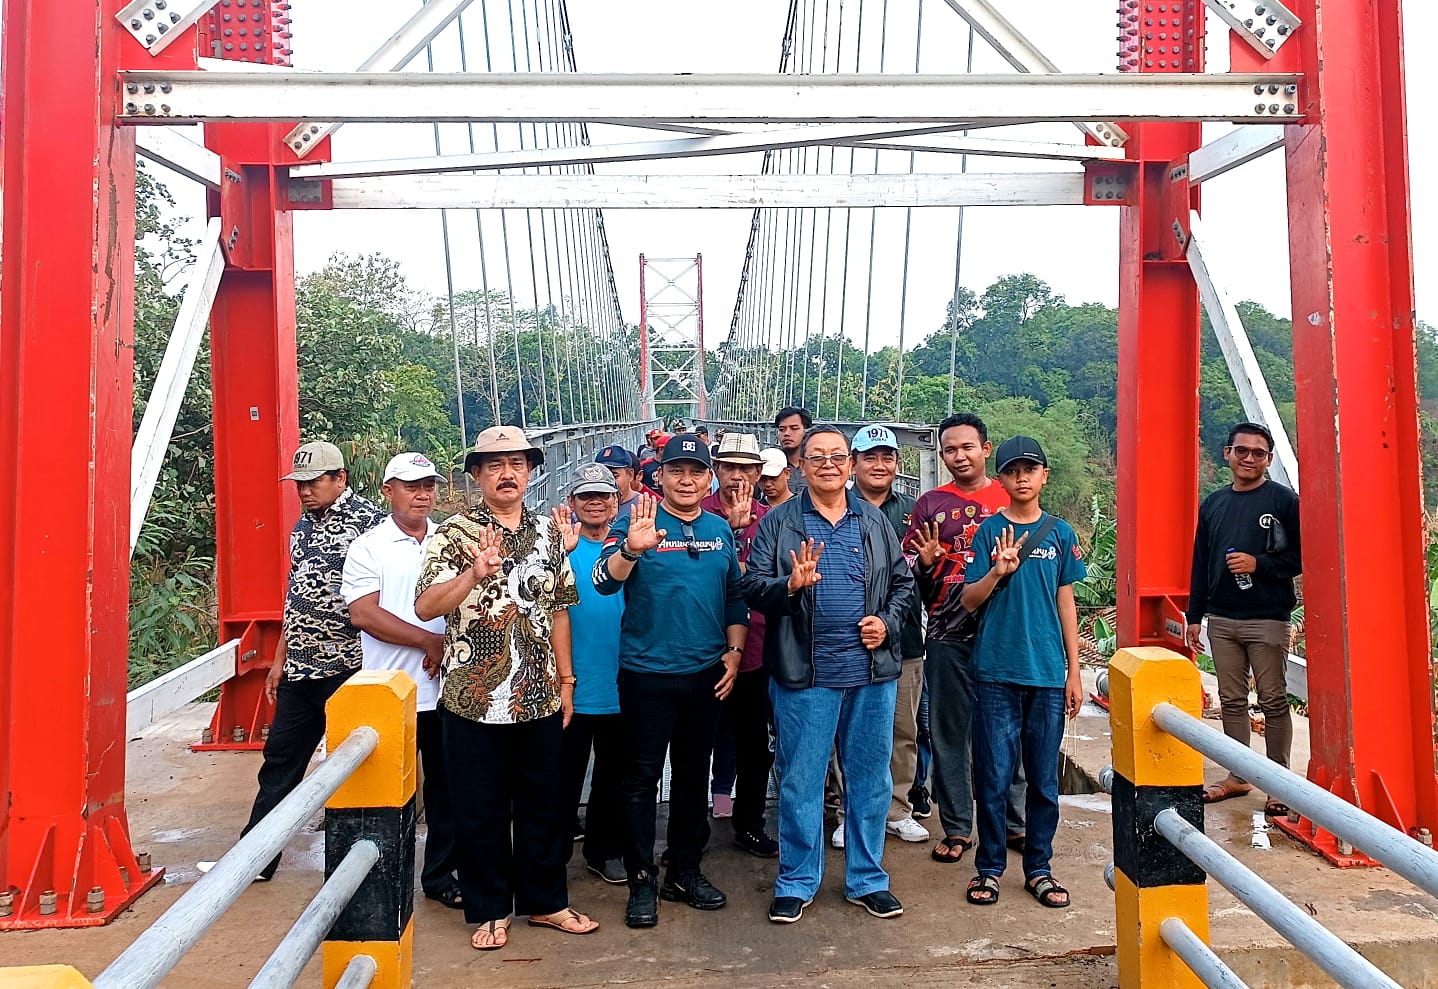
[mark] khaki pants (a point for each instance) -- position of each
(1260, 647)
(905, 759)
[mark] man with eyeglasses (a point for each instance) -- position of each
(1245, 556)
(680, 643)
(830, 575)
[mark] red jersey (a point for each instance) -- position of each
(958, 514)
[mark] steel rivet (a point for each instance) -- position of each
(95, 900)
(147, 14)
(265, 733)
(1289, 108)
(1344, 848)
(174, 17)
(1258, 11)
(149, 87)
(1258, 108)
(1291, 88)
(1273, 88)
(1425, 836)
(1283, 29)
(1248, 23)
(1259, 32)
(150, 109)
(131, 108)
(135, 23)
(1271, 43)
(131, 88)
(1258, 90)
(143, 860)
(1273, 108)
(165, 87)
(238, 733)
(48, 901)
(165, 108)
(207, 736)
(149, 39)
(7, 903)
(161, 4)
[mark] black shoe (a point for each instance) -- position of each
(920, 801)
(757, 843)
(694, 890)
(611, 871)
(787, 909)
(643, 908)
(881, 903)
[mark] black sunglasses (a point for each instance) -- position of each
(688, 529)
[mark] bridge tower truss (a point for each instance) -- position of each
(671, 335)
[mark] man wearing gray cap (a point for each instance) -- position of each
(319, 645)
(499, 576)
(596, 726)
(379, 576)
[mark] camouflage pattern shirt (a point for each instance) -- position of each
(320, 639)
(499, 666)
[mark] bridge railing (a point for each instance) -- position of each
(1162, 858)
(566, 447)
(911, 436)
(364, 909)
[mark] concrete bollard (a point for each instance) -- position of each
(1152, 770)
(43, 977)
(377, 803)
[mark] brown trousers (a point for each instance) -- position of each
(1260, 647)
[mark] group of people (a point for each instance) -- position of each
(737, 630)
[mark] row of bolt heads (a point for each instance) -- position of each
(237, 734)
(49, 900)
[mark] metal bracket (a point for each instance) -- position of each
(157, 23)
(1265, 24)
(1108, 183)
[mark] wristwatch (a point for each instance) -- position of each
(738, 649)
(624, 552)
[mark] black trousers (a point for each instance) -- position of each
(297, 729)
(509, 835)
(602, 735)
(747, 711)
(436, 875)
(680, 713)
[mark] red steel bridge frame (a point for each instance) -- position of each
(66, 412)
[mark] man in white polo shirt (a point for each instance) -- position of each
(378, 585)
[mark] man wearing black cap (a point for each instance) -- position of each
(682, 636)
(621, 464)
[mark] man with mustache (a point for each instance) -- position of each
(499, 576)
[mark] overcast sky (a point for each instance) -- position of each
(1073, 248)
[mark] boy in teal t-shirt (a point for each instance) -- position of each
(1025, 667)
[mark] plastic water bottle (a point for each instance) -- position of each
(1243, 580)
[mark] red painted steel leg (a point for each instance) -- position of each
(66, 307)
(1158, 348)
(256, 396)
(1370, 672)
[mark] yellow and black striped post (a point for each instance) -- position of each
(377, 803)
(1153, 770)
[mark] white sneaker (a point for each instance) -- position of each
(837, 838)
(908, 830)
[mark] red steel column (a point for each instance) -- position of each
(1370, 671)
(66, 308)
(1158, 343)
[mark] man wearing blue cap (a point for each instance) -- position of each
(876, 467)
(681, 640)
(621, 464)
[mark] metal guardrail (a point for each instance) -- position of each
(171, 691)
(1158, 750)
(152, 955)
(567, 447)
(915, 436)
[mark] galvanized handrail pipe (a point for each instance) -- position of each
(1346, 966)
(1199, 957)
(146, 962)
(298, 946)
(358, 974)
(1396, 850)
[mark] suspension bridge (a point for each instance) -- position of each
(863, 125)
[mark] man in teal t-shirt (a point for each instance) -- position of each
(596, 726)
(685, 622)
(1021, 572)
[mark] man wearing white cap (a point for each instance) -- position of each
(774, 477)
(319, 646)
(379, 576)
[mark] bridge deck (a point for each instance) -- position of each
(186, 807)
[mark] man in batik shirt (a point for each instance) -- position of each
(499, 576)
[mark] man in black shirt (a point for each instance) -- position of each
(1245, 556)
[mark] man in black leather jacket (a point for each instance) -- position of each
(830, 576)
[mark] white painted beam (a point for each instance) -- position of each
(422, 28)
(173, 376)
(1242, 364)
(484, 191)
(1023, 55)
(716, 99)
(1238, 147)
(171, 691)
(179, 154)
(884, 137)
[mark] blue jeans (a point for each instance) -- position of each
(1016, 725)
(810, 723)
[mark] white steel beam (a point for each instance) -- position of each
(394, 54)
(885, 137)
(1238, 147)
(706, 191)
(173, 377)
(1021, 53)
(1242, 364)
(715, 99)
(179, 154)
(171, 691)
(1266, 25)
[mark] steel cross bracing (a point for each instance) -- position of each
(671, 335)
